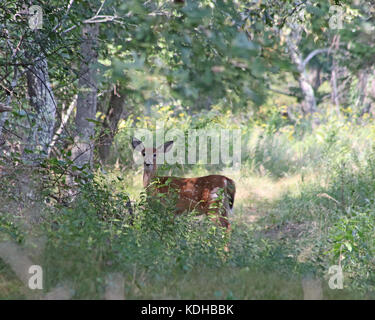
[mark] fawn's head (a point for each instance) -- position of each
(150, 154)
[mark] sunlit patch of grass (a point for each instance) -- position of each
(255, 195)
(265, 188)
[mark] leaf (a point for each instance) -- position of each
(348, 246)
(19, 113)
(242, 41)
(94, 121)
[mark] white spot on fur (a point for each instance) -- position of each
(213, 193)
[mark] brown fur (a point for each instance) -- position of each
(201, 194)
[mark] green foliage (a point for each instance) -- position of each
(9, 229)
(353, 246)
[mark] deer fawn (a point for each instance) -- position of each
(201, 194)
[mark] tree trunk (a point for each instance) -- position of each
(112, 118)
(42, 100)
(334, 76)
(371, 95)
(4, 109)
(366, 91)
(82, 152)
(309, 101)
(334, 92)
(317, 79)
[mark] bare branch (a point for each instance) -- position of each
(97, 18)
(312, 54)
(65, 15)
(100, 18)
(100, 9)
(63, 123)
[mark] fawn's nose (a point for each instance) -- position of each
(148, 164)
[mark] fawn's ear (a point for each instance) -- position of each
(137, 144)
(165, 147)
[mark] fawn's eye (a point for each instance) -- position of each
(143, 153)
(154, 155)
